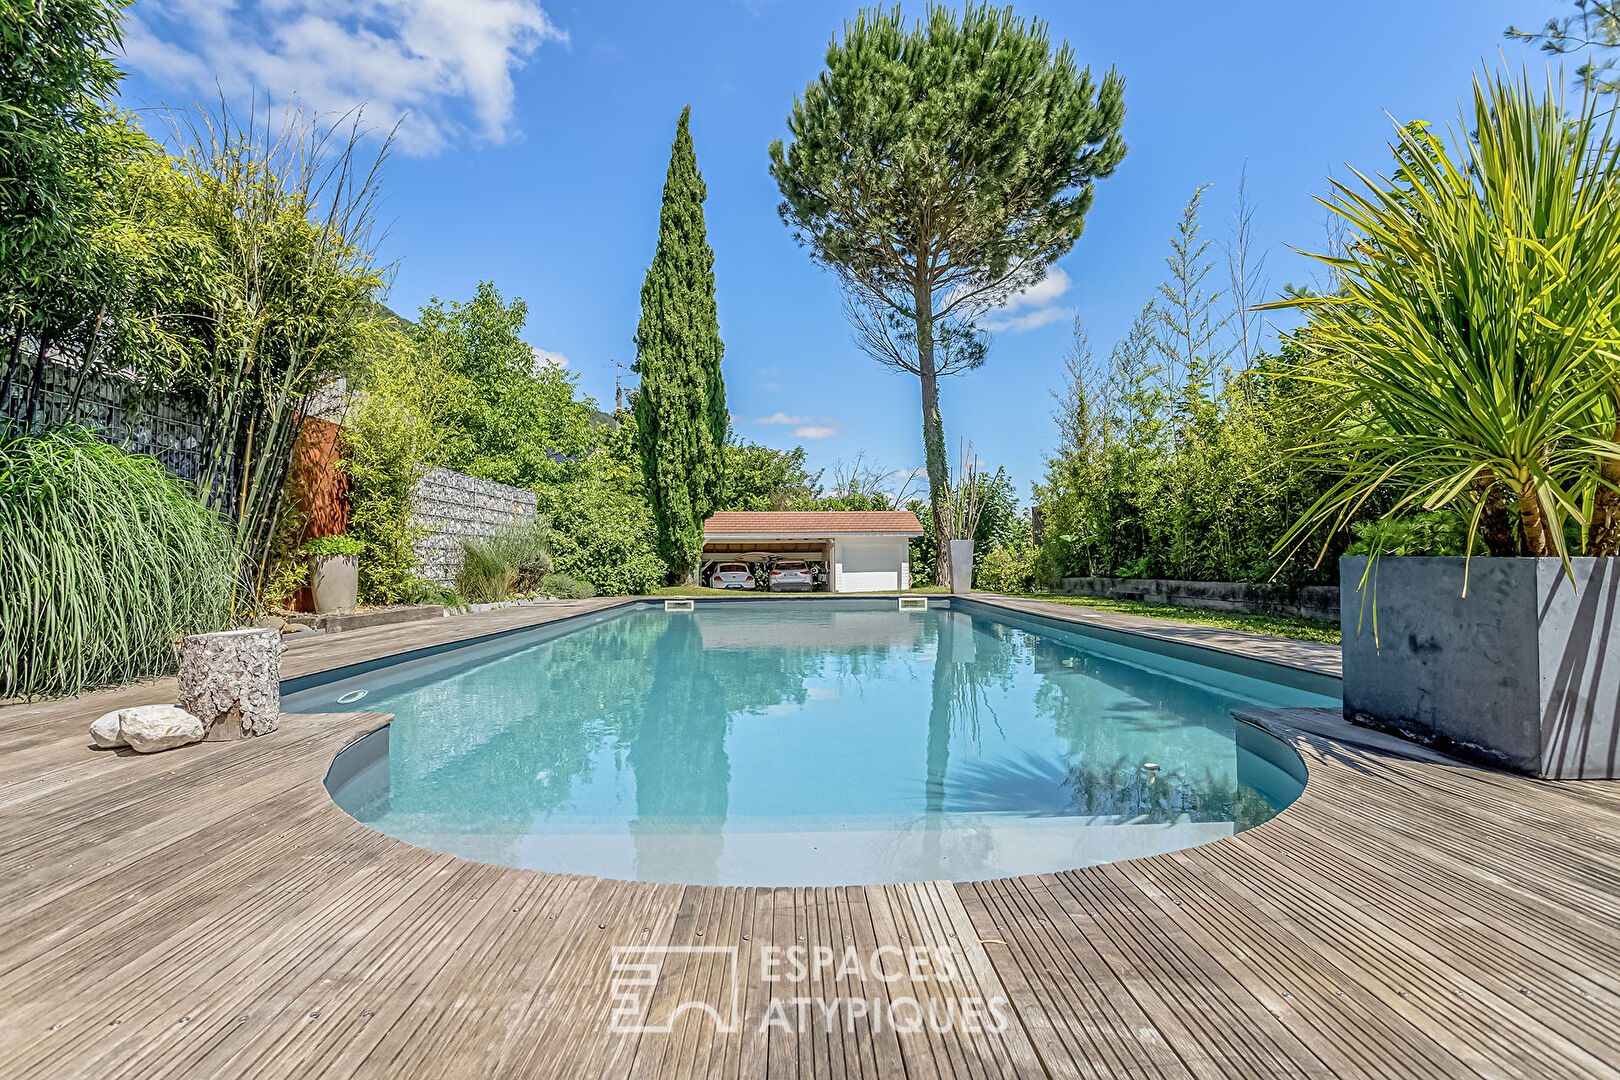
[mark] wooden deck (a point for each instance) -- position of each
(209, 912)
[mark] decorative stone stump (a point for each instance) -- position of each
(232, 681)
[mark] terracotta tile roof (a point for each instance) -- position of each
(812, 523)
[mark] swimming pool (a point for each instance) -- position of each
(813, 742)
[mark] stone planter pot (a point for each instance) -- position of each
(961, 566)
(1523, 672)
(231, 681)
(335, 582)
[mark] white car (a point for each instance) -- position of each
(731, 575)
(791, 576)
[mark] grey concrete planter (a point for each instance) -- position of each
(335, 582)
(1523, 672)
(961, 566)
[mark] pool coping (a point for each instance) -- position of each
(1186, 640)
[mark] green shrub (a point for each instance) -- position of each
(1006, 569)
(391, 438)
(512, 561)
(603, 535)
(331, 545)
(564, 587)
(422, 591)
(527, 550)
(106, 561)
(484, 576)
(1427, 532)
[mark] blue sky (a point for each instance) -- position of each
(537, 135)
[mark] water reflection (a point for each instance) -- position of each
(838, 745)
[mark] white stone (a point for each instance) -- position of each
(232, 680)
(150, 728)
(104, 729)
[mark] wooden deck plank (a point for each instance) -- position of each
(210, 913)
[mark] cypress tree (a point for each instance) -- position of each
(680, 408)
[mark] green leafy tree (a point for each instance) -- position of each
(392, 435)
(61, 151)
(256, 268)
(1190, 324)
(1173, 461)
(763, 478)
(937, 169)
(680, 407)
(603, 535)
(602, 529)
(513, 418)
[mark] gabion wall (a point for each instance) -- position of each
(454, 507)
(156, 423)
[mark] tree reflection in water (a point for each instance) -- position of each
(933, 741)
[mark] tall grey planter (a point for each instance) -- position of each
(961, 565)
(1523, 672)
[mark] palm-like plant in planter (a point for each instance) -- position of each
(1473, 343)
(1474, 337)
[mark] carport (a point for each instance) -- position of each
(862, 550)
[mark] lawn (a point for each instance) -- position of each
(1275, 625)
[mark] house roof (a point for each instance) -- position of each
(812, 523)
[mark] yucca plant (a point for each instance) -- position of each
(1473, 339)
(964, 502)
(106, 561)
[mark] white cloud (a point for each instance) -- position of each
(548, 358)
(1032, 307)
(816, 431)
(445, 65)
(909, 474)
(778, 418)
(804, 427)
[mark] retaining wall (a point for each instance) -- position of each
(1308, 602)
(454, 507)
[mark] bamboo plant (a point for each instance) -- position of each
(1472, 340)
(288, 215)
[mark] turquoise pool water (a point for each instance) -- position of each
(811, 743)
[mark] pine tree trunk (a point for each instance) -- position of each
(1603, 537)
(939, 483)
(1538, 541)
